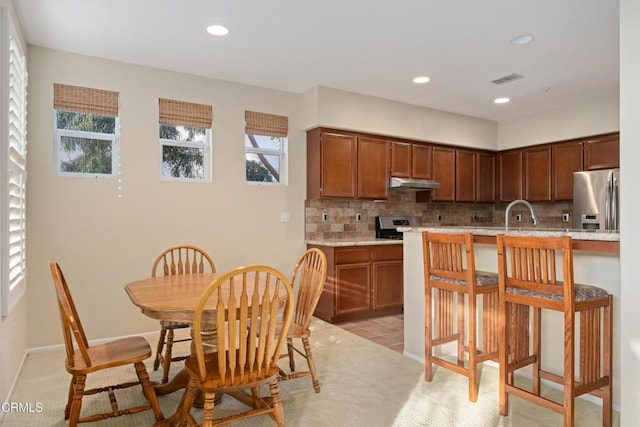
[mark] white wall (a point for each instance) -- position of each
(106, 233)
(352, 111)
(629, 249)
(593, 118)
(13, 328)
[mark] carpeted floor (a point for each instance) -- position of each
(363, 384)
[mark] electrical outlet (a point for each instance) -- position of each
(474, 218)
(438, 217)
(565, 217)
(325, 217)
(358, 217)
(518, 218)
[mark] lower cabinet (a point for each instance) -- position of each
(362, 282)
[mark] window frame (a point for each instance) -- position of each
(13, 158)
(115, 148)
(206, 155)
(281, 153)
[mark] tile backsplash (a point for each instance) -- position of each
(342, 221)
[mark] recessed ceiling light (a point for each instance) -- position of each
(501, 100)
(522, 39)
(421, 80)
(217, 30)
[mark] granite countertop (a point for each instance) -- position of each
(352, 242)
(606, 236)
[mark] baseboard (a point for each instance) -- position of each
(15, 381)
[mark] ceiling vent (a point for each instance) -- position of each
(506, 79)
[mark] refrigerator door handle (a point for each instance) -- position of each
(607, 207)
(614, 204)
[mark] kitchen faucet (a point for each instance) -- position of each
(534, 219)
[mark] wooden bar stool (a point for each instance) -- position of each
(529, 283)
(451, 284)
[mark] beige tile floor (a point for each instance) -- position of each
(384, 330)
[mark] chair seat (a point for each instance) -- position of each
(214, 381)
(582, 293)
(483, 278)
(296, 330)
(115, 353)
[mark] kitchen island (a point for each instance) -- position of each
(596, 262)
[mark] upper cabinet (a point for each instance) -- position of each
(444, 172)
(373, 168)
(509, 175)
(346, 165)
(537, 174)
(465, 176)
(410, 160)
(602, 152)
(545, 172)
(485, 177)
(567, 159)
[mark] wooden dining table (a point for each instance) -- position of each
(174, 298)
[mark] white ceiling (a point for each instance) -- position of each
(373, 47)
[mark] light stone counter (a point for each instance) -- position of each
(596, 261)
(542, 232)
(353, 242)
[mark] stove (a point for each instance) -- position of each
(387, 226)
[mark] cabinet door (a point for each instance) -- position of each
(338, 165)
(421, 161)
(485, 177)
(567, 159)
(444, 172)
(387, 284)
(509, 176)
(373, 168)
(401, 159)
(353, 291)
(465, 176)
(602, 152)
(537, 174)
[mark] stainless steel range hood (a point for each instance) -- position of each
(413, 184)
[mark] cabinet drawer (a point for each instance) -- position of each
(353, 255)
(387, 252)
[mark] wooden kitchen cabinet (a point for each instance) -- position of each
(465, 178)
(602, 152)
(444, 171)
(567, 159)
(410, 160)
(537, 174)
(346, 165)
(362, 282)
(373, 168)
(485, 177)
(509, 175)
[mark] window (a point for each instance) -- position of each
(185, 141)
(13, 154)
(86, 129)
(265, 143)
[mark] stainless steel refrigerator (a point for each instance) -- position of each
(596, 200)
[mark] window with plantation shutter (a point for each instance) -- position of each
(185, 140)
(14, 163)
(265, 144)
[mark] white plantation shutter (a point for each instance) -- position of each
(14, 154)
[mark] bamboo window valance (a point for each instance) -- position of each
(265, 124)
(85, 100)
(180, 113)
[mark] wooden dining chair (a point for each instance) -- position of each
(309, 276)
(531, 282)
(452, 291)
(181, 259)
(243, 307)
(83, 359)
